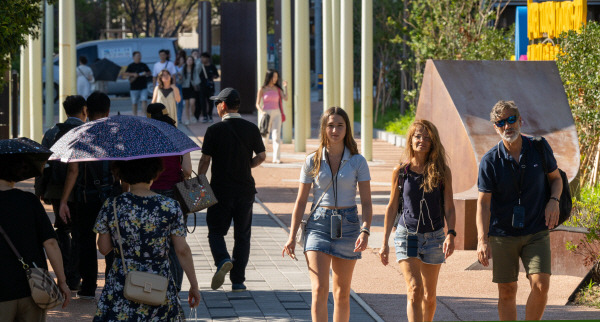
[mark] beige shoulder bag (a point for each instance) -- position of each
(141, 287)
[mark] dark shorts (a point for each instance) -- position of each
(533, 249)
(318, 233)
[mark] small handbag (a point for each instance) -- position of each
(194, 194)
(301, 234)
(44, 291)
(141, 287)
(264, 124)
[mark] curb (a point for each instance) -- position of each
(355, 296)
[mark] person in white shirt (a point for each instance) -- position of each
(85, 78)
(164, 63)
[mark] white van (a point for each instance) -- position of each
(120, 51)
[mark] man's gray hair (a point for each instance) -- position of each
(500, 107)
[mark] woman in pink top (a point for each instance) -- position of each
(271, 94)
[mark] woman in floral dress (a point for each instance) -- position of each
(147, 222)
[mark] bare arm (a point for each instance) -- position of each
(258, 159)
(390, 215)
(297, 214)
(155, 94)
(55, 258)
(203, 164)
(184, 254)
(72, 173)
(552, 211)
(105, 244)
(176, 93)
(186, 165)
(259, 96)
(364, 188)
(484, 252)
(449, 213)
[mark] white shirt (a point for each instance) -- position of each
(168, 65)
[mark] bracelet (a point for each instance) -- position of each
(366, 231)
(554, 198)
(452, 232)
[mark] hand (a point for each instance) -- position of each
(194, 297)
(448, 246)
(66, 293)
(361, 242)
(64, 212)
(289, 248)
(384, 253)
(552, 214)
(484, 253)
(284, 83)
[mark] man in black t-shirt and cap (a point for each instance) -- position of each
(231, 144)
(138, 74)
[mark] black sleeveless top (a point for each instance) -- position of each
(431, 220)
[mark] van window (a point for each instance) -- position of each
(90, 52)
(150, 50)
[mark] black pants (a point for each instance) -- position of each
(87, 212)
(218, 220)
(206, 105)
(68, 245)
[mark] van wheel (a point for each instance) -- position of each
(55, 92)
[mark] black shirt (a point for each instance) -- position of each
(140, 82)
(231, 171)
(211, 73)
(26, 223)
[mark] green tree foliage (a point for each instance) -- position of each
(18, 20)
(454, 29)
(578, 67)
(586, 214)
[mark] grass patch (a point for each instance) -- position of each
(589, 295)
(391, 121)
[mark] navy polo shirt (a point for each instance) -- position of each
(499, 175)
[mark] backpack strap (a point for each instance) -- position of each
(539, 146)
(401, 178)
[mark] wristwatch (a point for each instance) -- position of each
(554, 198)
(452, 232)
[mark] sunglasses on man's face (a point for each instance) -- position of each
(509, 120)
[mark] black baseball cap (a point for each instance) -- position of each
(230, 96)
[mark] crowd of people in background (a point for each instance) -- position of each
(103, 200)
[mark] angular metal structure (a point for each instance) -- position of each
(457, 96)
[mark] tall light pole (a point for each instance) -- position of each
(66, 52)
(286, 68)
(366, 80)
(49, 53)
(328, 75)
(24, 128)
(346, 61)
(35, 88)
(301, 73)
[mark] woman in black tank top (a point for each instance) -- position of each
(417, 209)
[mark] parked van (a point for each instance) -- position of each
(120, 51)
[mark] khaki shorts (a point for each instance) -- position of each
(23, 309)
(534, 251)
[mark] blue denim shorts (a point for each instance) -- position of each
(318, 233)
(140, 95)
(431, 245)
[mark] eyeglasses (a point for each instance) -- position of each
(421, 137)
(510, 120)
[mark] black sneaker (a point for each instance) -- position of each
(86, 295)
(219, 277)
(73, 286)
(238, 287)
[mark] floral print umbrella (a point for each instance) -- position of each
(31, 154)
(121, 137)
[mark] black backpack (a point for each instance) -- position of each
(95, 182)
(50, 184)
(566, 203)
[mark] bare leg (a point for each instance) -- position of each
(144, 107)
(134, 109)
(342, 278)
(536, 303)
(507, 301)
(318, 269)
(429, 275)
(411, 270)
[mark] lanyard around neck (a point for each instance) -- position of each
(334, 177)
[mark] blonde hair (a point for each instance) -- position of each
(436, 163)
(348, 138)
(500, 106)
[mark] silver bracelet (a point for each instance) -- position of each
(366, 231)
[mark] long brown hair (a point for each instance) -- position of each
(161, 84)
(348, 137)
(436, 163)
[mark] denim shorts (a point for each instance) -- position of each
(139, 95)
(431, 245)
(318, 233)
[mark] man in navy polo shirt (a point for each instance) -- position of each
(514, 213)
